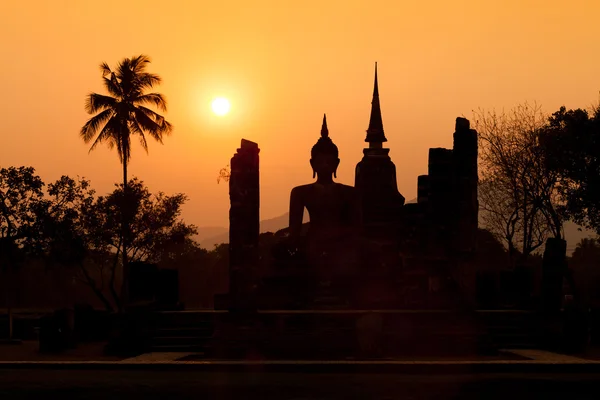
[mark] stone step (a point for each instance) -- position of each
(178, 348)
(512, 327)
(180, 341)
(181, 322)
(190, 331)
(184, 318)
(519, 345)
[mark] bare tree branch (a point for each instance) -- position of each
(517, 193)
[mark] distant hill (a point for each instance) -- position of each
(209, 231)
(209, 237)
(222, 234)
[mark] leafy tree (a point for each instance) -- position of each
(73, 223)
(120, 115)
(83, 231)
(21, 191)
(518, 196)
(68, 226)
(156, 227)
(571, 143)
(586, 251)
(585, 262)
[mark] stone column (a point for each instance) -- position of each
(466, 212)
(441, 201)
(422, 189)
(244, 225)
(466, 180)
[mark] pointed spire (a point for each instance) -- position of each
(375, 135)
(324, 130)
(376, 86)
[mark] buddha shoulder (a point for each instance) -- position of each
(346, 189)
(300, 190)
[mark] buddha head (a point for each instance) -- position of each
(324, 155)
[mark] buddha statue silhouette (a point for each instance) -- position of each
(334, 213)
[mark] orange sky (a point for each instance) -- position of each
(282, 66)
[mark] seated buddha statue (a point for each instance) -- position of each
(331, 242)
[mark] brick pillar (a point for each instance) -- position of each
(466, 180)
(440, 202)
(244, 224)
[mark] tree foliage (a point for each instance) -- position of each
(571, 143)
(584, 262)
(69, 226)
(21, 191)
(156, 227)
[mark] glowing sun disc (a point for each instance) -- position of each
(220, 106)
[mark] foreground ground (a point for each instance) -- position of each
(68, 384)
(28, 351)
(145, 377)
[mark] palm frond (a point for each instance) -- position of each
(162, 126)
(149, 113)
(153, 98)
(98, 102)
(126, 78)
(105, 69)
(147, 80)
(120, 151)
(167, 127)
(148, 124)
(124, 148)
(123, 66)
(111, 83)
(101, 139)
(109, 134)
(138, 129)
(93, 125)
(138, 63)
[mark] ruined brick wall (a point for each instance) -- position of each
(465, 186)
(441, 201)
(244, 223)
(443, 224)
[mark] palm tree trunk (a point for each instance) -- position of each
(124, 233)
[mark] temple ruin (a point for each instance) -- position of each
(410, 255)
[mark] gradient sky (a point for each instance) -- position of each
(282, 65)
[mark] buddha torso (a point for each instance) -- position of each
(334, 214)
(333, 233)
(332, 209)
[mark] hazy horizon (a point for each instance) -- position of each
(282, 68)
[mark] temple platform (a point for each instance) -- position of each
(344, 334)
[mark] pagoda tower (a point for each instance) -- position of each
(382, 204)
(375, 178)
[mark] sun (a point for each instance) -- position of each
(220, 106)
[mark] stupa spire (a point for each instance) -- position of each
(324, 130)
(324, 145)
(375, 136)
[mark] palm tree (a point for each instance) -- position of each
(120, 115)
